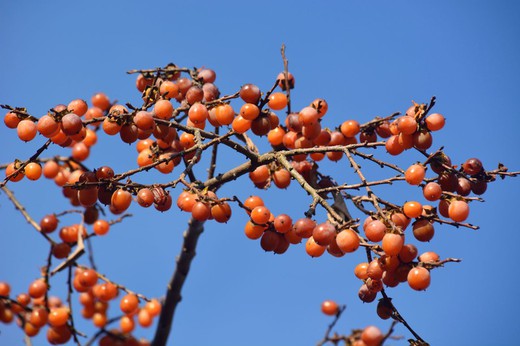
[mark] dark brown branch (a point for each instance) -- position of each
(379, 162)
(90, 251)
(378, 120)
(455, 224)
(173, 293)
(170, 68)
(398, 317)
(389, 332)
(194, 159)
(265, 99)
(429, 106)
(22, 166)
(266, 158)
(286, 79)
(205, 134)
(233, 174)
(213, 161)
(103, 330)
(21, 113)
(71, 259)
(309, 189)
(437, 264)
(388, 181)
(69, 302)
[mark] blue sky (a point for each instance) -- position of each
(365, 60)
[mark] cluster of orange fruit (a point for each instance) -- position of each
(170, 128)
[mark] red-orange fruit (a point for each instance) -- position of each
(58, 316)
(71, 124)
(144, 318)
(48, 126)
(412, 209)
(11, 120)
(361, 271)
(392, 243)
(308, 116)
(153, 307)
(407, 125)
(201, 211)
(458, 211)
(221, 212)
(260, 215)
(423, 230)
(350, 128)
(282, 223)
(375, 270)
(282, 178)
(419, 278)
(321, 106)
(270, 240)
(366, 295)
(435, 122)
(277, 101)
(432, 191)
(78, 107)
(253, 231)
(408, 253)
(347, 240)
(37, 288)
(414, 175)
(324, 233)
(304, 227)
(121, 200)
(429, 257)
(163, 109)
(129, 304)
(329, 307)
(250, 93)
(314, 249)
(372, 336)
(285, 80)
(393, 147)
(375, 230)
(26, 130)
(58, 335)
(224, 114)
(49, 223)
(101, 101)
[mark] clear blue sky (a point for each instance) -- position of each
(365, 60)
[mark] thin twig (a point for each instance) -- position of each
(309, 189)
(119, 286)
(286, 79)
(69, 302)
(25, 214)
(398, 317)
(213, 162)
(23, 164)
(326, 338)
(373, 198)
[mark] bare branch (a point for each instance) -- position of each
(25, 214)
(173, 292)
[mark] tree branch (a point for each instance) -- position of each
(25, 214)
(173, 293)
